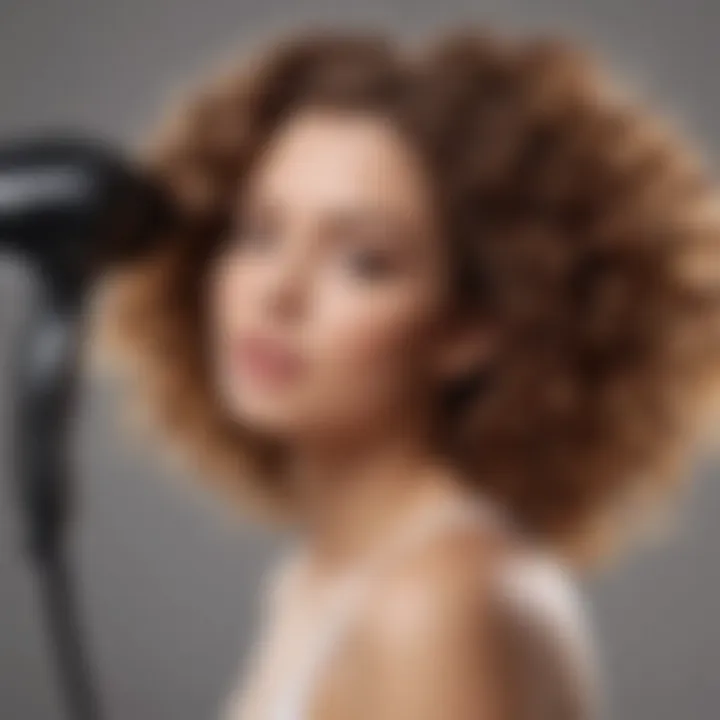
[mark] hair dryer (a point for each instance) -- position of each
(68, 208)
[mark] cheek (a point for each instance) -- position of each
(230, 291)
(375, 349)
(222, 305)
(227, 303)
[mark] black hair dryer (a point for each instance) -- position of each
(68, 208)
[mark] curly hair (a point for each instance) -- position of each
(577, 222)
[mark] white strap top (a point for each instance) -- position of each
(537, 583)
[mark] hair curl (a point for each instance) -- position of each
(578, 222)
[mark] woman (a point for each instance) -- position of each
(448, 312)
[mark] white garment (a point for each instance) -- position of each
(537, 586)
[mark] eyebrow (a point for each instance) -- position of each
(388, 223)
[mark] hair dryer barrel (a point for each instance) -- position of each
(69, 206)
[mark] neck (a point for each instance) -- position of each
(351, 496)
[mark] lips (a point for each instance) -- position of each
(266, 359)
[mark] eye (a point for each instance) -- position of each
(370, 263)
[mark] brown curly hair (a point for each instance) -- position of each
(577, 222)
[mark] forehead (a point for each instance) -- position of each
(324, 157)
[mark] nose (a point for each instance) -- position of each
(286, 286)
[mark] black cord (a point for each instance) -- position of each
(62, 618)
(47, 369)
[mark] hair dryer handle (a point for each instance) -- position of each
(46, 375)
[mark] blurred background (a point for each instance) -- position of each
(168, 584)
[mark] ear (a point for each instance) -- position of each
(462, 348)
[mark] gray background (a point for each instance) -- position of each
(168, 583)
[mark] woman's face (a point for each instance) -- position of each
(325, 304)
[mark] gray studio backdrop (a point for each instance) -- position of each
(168, 584)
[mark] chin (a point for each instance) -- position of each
(285, 416)
(277, 417)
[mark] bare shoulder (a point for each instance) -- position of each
(446, 582)
(425, 633)
(492, 626)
